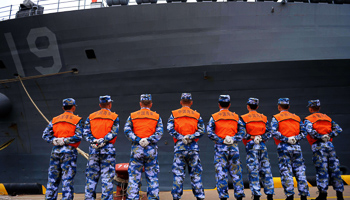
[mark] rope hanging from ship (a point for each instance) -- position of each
(20, 79)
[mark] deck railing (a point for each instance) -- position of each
(53, 6)
(50, 6)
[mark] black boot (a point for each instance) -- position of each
(303, 197)
(291, 197)
(223, 198)
(322, 196)
(269, 197)
(239, 198)
(256, 197)
(199, 198)
(340, 195)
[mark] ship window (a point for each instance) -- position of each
(2, 65)
(90, 53)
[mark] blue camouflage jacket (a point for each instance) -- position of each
(180, 146)
(48, 136)
(336, 130)
(153, 139)
(219, 142)
(109, 147)
(284, 145)
(266, 136)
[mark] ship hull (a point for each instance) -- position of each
(300, 51)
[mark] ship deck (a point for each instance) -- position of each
(210, 194)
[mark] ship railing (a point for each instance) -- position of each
(53, 6)
(50, 6)
(5, 12)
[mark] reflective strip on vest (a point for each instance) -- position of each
(288, 124)
(144, 122)
(321, 123)
(64, 126)
(101, 123)
(185, 121)
(226, 123)
(255, 124)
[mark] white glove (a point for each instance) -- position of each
(292, 140)
(186, 139)
(325, 138)
(257, 139)
(55, 142)
(228, 140)
(100, 145)
(101, 140)
(97, 143)
(144, 142)
(60, 141)
(94, 144)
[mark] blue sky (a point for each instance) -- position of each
(49, 6)
(9, 2)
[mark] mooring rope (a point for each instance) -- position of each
(37, 76)
(20, 79)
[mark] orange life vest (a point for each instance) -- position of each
(226, 123)
(185, 121)
(144, 122)
(101, 123)
(321, 123)
(255, 124)
(64, 126)
(288, 124)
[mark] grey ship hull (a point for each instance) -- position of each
(300, 51)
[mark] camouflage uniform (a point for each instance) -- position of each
(325, 158)
(146, 157)
(101, 162)
(62, 163)
(186, 154)
(291, 160)
(226, 160)
(258, 162)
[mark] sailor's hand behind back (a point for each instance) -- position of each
(257, 139)
(228, 140)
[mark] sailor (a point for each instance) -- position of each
(257, 133)
(101, 129)
(65, 133)
(287, 130)
(225, 129)
(186, 127)
(143, 128)
(321, 130)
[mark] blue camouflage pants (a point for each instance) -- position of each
(227, 162)
(258, 165)
(100, 165)
(148, 158)
(289, 163)
(192, 160)
(62, 167)
(327, 164)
